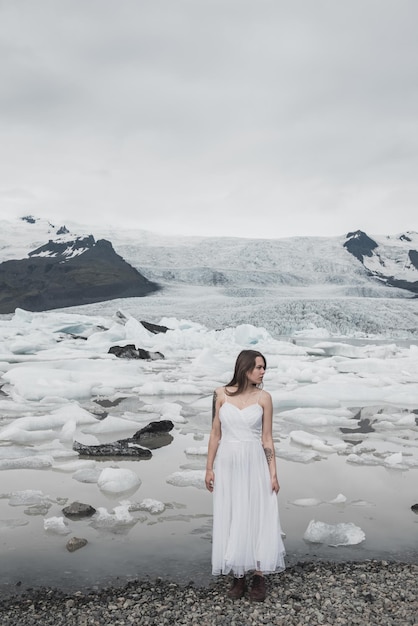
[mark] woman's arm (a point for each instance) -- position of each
(267, 440)
(214, 438)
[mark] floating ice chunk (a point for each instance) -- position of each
(32, 429)
(16, 434)
(363, 459)
(59, 453)
(298, 456)
(306, 502)
(148, 504)
(38, 509)
(143, 416)
(31, 462)
(115, 480)
(249, 335)
(35, 382)
(303, 438)
(16, 452)
(89, 475)
(318, 417)
(26, 497)
(167, 388)
(119, 521)
(111, 424)
(56, 525)
(73, 466)
(68, 430)
(189, 478)
(136, 333)
(197, 451)
(209, 364)
(340, 499)
(343, 534)
(166, 410)
(86, 440)
(394, 459)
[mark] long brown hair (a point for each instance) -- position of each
(244, 363)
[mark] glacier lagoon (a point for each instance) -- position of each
(345, 430)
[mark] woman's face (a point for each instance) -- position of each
(255, 376)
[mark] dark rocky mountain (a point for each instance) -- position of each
(66, 273)
(360, 244)
(393, 262)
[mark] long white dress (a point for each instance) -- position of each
(246, 524)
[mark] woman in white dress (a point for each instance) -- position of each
(241, 473)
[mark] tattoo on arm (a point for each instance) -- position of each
(269, 455)
(215, 397)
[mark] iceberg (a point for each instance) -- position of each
(343, 534)
(115, 480)
(188, 478)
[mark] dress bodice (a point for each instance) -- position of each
(241, 424)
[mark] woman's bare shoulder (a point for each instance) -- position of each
(265, 396)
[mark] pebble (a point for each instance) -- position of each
(314, 593)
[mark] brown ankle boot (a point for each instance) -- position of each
(238, 588)
(258, 589)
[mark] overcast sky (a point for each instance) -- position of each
(215, 117)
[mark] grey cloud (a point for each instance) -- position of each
(185, 101)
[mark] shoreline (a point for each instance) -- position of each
(307, 592)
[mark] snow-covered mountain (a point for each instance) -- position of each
(68, 271)
(352, 265)
(301, 286)
(394, 260)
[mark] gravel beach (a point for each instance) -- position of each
(366, 593)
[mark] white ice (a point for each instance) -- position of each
(28, 497)
(31, 462)
(342, 534)
(188, 478)
(117, 480)
(117, 521)
(148, 504)
(56, 525)
(50, 378)
(87, 475)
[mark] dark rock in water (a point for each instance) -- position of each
(159, 440)
(155, 434)
(78, 510)
(154, 328)
(123, 447)
(152, 429)
(364, 426)
(414, 508)
(75, 543)
(61, 274)
(132, 352)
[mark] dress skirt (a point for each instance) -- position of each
(246, 526)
